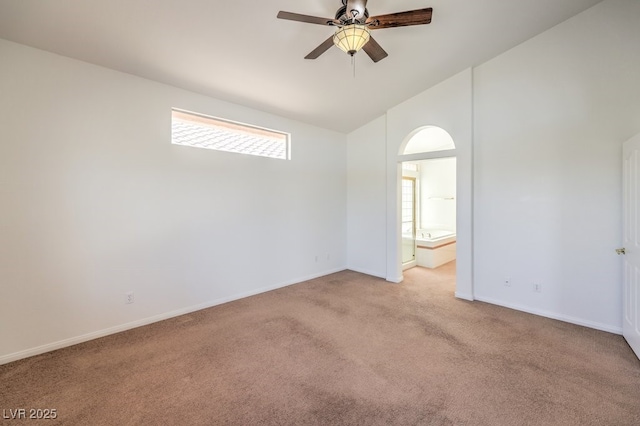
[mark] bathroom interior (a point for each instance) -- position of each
(428, 213)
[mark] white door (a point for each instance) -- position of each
(631, 238)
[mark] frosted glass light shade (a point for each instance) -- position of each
(351, 38)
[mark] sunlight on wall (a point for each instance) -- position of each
(429, 139)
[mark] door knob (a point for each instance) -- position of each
(621, 251)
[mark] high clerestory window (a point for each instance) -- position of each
(202, 131)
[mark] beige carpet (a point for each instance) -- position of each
(343, 349)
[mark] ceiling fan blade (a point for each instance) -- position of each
(305, 18)
(320, 49)
(374, 50)
(401, 19)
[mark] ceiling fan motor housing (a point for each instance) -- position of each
(346, 13)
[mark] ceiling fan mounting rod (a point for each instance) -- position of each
(359, 6)
(354, 15)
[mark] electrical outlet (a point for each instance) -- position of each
(537, 287)
(129, 298)
(507, 282)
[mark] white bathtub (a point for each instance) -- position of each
(435, 247)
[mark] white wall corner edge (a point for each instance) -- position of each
(396, 280)
(464, 296)
(367, 272)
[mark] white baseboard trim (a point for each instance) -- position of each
(396, 280)
(367, 272)
(552, 315)
(464, 296)
(5, 359)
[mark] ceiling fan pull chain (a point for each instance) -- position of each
(353, 65)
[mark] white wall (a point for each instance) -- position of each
(550, 117)
(366, 227)
(547, 120)
(96, 202)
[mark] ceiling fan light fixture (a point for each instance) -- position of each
(351, 38)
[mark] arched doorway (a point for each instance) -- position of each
(427, 198)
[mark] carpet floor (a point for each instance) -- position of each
(345, 349)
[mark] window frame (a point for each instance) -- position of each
(239, 128)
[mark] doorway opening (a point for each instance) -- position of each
(428, 199)
(428, 212)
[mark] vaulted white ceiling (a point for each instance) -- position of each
(238, 51)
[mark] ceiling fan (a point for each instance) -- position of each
(354, 24)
